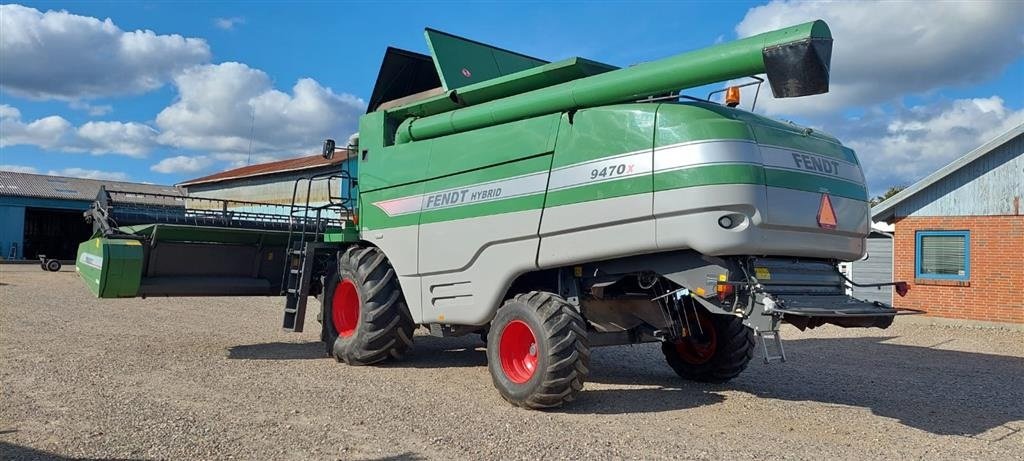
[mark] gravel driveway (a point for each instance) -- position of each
(216, 378)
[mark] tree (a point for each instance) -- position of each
(893, 190)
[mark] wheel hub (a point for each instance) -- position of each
(699, 347)
(345, 308)
(517, 351)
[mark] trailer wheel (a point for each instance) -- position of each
(52, 265)
(537, 351)
(715, 353)
(365, 318)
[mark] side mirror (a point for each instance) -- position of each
(328, 151)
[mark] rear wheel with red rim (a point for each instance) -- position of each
(716, 348)
(537, 353)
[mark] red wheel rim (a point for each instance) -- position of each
(699, 351)
(517, 351)
(345, 308)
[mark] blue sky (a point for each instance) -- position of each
(162, 92)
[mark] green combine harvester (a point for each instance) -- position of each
(550, 207)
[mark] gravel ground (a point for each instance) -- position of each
(216, 378)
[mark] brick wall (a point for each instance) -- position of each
(995, 291)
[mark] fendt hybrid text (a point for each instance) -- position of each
(548, 207)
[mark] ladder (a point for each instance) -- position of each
(307, 225)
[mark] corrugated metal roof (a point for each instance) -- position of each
(281, 166)
(887, 209)
(58, 187)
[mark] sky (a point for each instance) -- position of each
(162, 92)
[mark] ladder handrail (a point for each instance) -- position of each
(295, 281)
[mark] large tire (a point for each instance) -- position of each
(717, 353)
(365, 318)
(537, 351)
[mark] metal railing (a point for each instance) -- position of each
(117, 208)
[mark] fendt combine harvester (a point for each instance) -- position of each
(549, 207)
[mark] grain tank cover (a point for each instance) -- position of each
(461, 62)
(472, 73)
(402, 73)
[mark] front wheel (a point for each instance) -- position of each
(537, 351)
(365, 319)
(716, 348)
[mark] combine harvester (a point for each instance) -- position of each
(550, 208)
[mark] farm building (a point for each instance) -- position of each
(42, 214)
(959, 235)
(274, 182)
(876, 267)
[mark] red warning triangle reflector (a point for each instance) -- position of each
(826, 215)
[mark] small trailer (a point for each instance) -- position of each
(550, 207)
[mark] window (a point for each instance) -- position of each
(943, 255)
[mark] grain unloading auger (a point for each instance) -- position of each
(550, 207)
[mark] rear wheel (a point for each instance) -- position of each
(365, 319)
(716, 349)
(537, 351)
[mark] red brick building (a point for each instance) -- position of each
(959, 237)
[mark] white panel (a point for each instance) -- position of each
(577, 216)
(688, 218)
(595, 230)
(399, 245)
(454, 245)
(468, 264)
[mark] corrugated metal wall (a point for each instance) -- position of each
(275, 189)
(876, 269)
(985, 187)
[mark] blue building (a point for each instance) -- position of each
(41, 214)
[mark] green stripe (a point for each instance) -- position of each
(590, 192)
(814, 183)
(709, 175)
(754, 174)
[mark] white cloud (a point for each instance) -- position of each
(48, 132)
(56, 133)
(19, 169)
(902, 148)
(885, 50)
(7, 111)
(223, 107)
(228, 23)
(94, 110)
(90, 174)
(59, 55)
(127, 138)
(182, 164)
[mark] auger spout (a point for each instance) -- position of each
(795, 59)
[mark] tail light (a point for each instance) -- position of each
(723, 289)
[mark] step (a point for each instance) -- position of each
(780, 356)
